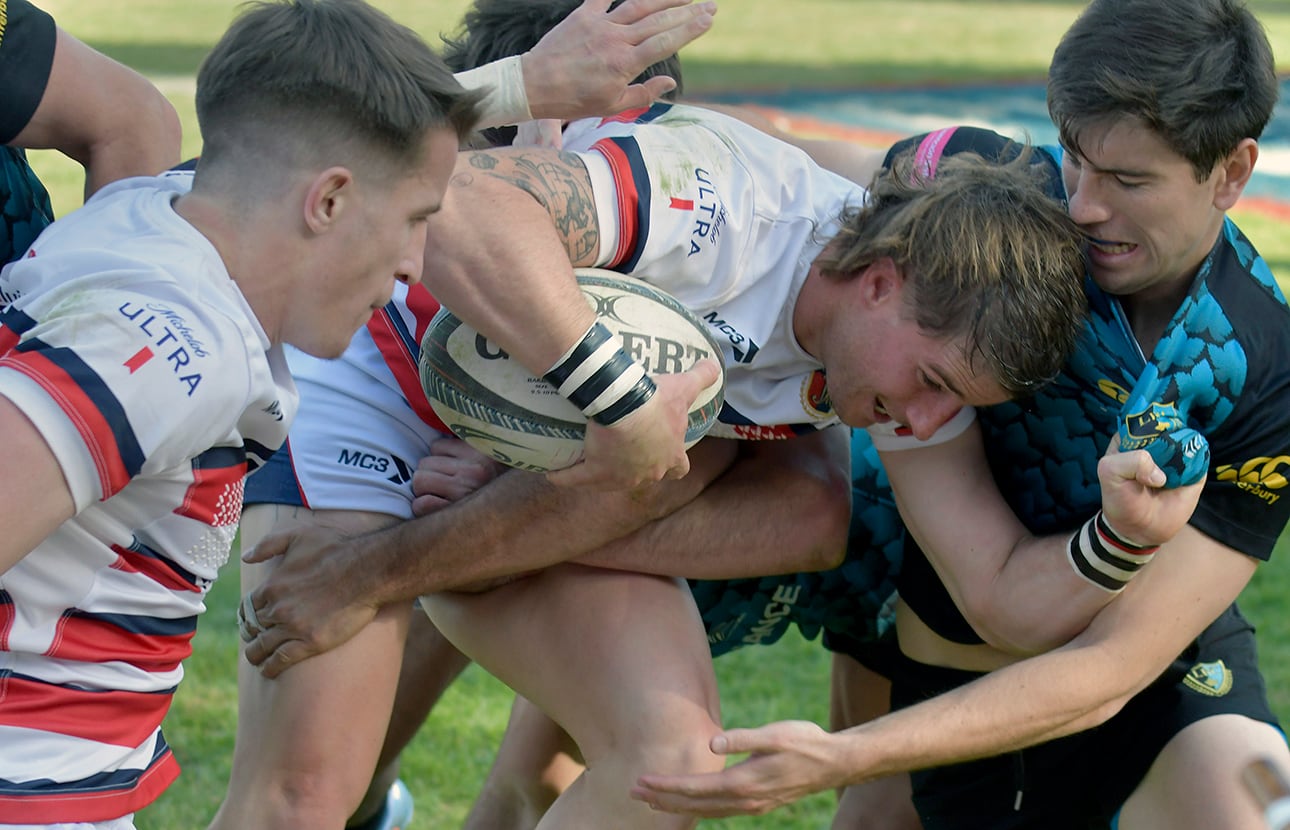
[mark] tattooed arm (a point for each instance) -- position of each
(501, 254)
(501, 251)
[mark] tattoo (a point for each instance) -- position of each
(559, 182)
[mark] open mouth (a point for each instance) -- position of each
(1105, 247)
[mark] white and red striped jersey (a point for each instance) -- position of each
(364, 421)
(729, 221)
(127, 344)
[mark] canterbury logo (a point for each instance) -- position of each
(1210, 679)
(1259, 476)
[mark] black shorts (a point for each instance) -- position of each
(1081, 781)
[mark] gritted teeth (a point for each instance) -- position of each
(1111, 247)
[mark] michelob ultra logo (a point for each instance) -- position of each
(1258, 476)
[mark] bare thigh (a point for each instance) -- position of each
(1195, 782)
(308, 741)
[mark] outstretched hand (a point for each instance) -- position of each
(647, 445)
(787, 761)
(309, 604)
(585, 65)
(1135, 500)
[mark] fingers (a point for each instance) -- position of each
(271, 648)
(276, 659)
(669, 36)
(1135, 465)
(275, 544)
(248, 623)
(705, 373)
(425, 505)
(677, 21)
(648, 444)
(731, 792)
(640, 96)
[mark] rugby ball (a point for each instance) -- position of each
(499, 407)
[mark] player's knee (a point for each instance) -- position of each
(318, 798)
(681, 745)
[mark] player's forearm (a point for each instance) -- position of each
(770, 513)
(516, 524)
(1082, 684)
(1028, 703)
(1050, 588)
(1018, 591)
(1039, 602)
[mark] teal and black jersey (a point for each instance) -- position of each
(27, 37)
(1222, 368)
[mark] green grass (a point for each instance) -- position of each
(755, 45)
(450, 757)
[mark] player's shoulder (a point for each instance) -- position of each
(1235, 264)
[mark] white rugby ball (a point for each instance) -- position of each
(499, 407)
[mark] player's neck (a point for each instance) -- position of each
(1150, 309)
(257, 268)
(811, 311)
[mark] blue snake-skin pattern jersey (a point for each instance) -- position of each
(27, 37)
(1222, 370)
(25, 210)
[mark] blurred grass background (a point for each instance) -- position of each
(757, 45)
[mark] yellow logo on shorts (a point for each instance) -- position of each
(1211, 679)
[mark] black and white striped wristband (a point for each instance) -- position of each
(599, 378)
(1104, 557)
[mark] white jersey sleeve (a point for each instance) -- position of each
(729, 221)
(124, 383)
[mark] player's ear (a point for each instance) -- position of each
(1234, 172)
(327, 198)
(880, 281)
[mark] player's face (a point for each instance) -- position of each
(886, 368)
(1150, 221)
(383, 242)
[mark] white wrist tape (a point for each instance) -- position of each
(599, 378)
(507, 102)
(1104, 557)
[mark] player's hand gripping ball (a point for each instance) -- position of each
(497, 406)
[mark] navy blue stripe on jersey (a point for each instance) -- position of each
(733, 417)
(406, 336)
(16, 320)
(141, 623)
(220, 458)
(92, 386)
(656, 111)
(98, 783)
(275, 482)
(257, 454)
(158, 562)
